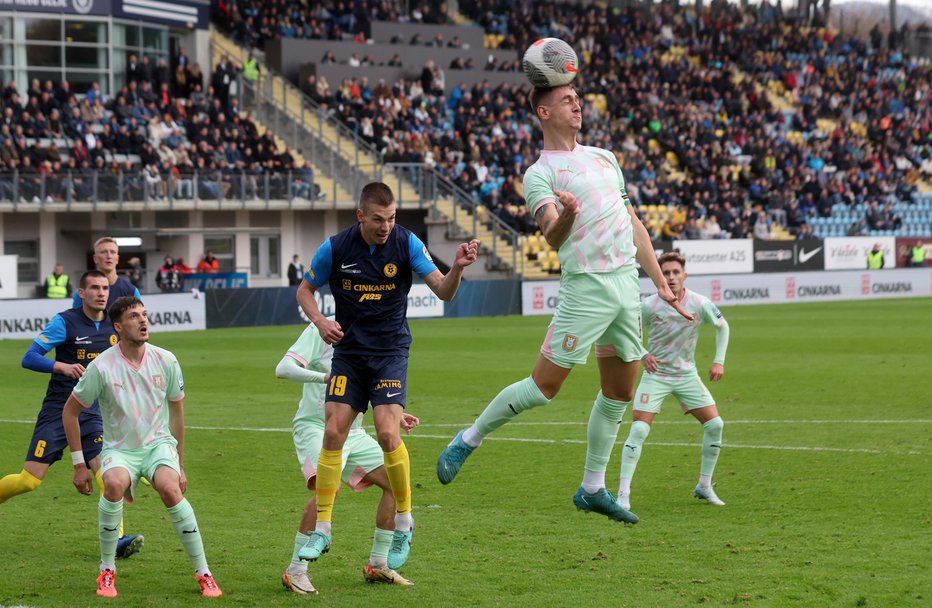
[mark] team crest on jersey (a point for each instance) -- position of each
(158, 381)
(569, 342)
(113, 339)
(390, 270)
(347, 285)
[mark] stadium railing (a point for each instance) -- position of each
(92, 190)
(418, 184)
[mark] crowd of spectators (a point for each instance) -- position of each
(680, 96)
(168, 132)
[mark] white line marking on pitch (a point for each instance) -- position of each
(417, 435)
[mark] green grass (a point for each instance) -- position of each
(847, 521)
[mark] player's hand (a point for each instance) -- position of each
(650, 363)
(409, 421)
(330, 331)
(467, 253)
(666, 294)
(82, 480)
(717, 371)
(570, 204)
(72, 370)
(182, 481)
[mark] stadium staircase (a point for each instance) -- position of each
(343, 163)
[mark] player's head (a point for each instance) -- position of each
(376, 213)
(130, 319)
(673, 267)
(106, 254)
(94, 289)
(557, 108)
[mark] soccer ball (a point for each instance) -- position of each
(550, 62)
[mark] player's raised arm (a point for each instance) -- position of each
(445, 286)
(648, 261)
(557, 226)
(69, 418)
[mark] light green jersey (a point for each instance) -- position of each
(133, 400)
(671, 337)
(313, 353)
(602, 239)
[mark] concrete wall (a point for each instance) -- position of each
(287, 56)
(383, 31)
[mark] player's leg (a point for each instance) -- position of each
(92, 439)
(165, 473)
(536, 390)
(618, 351)
(308, 440)
(384, 519)
(118, 473)
(27, 480)
(347, 395)
(648, 399)
(712, 426)
(45, 448)
(574, 328)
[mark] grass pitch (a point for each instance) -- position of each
(825, 471)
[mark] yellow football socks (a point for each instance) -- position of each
(398, 467)
(329, 467)
(18, 483)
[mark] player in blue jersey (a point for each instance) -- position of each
(106, 258)
(368, 267)
(78, 335)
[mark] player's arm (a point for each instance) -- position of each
(69, 418)
(290, 368)
(556, 226)
(647, 258)
(53, 335)
(315, 277)
(444, 286)
(176, 427)
(722, 333)
(650, 362)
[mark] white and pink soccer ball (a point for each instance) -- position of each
(550, 62)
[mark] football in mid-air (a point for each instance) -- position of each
(550, 62)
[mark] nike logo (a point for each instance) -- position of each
(106, 529)
(392, 394)
(805, 256)
(715, 445)
(81, 338)
(345, 266)
(631, 447)
(512, 408)
(194, 531)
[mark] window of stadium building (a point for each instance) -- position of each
(82, 51)
(27, 264)
(264, 256)
(222, 248)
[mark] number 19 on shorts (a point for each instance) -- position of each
(338, 386)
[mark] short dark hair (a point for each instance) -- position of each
(538, 94)
(90, 274)
(375, 193)
(121, 305)
(672, 256)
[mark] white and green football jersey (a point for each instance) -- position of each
(133, 400)
(313, 353)
(602, 239)
(671, 337)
